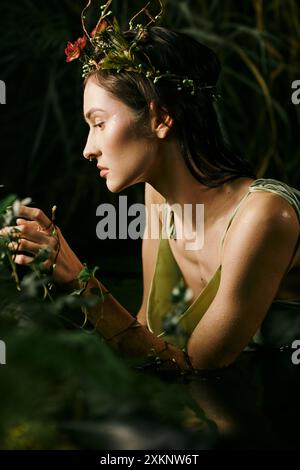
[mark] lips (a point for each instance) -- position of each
(101, 167)
(104, 172)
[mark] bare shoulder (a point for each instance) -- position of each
(264, 215)
(272, 205)
(260, 245)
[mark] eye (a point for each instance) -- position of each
(100, 125)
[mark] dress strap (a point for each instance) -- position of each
(168, 225)
(292, 195)
(230, 221)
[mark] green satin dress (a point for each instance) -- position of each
(172, 318)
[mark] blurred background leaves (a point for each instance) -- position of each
(68, 390)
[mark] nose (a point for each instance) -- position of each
(90, 150)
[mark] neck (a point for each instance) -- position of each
(180, 187)
(173, 180)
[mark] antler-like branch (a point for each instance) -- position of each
(147, 13)
(160, 14)
(137, 14)
(104, 13)
(83, 19)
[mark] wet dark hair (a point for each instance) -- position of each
(206, 153)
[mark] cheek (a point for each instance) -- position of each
(125, 141)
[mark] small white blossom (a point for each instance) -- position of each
(188, 295)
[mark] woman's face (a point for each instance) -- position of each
(115, 140)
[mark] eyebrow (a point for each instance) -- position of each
(92, 111)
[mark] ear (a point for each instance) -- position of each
(161, 121)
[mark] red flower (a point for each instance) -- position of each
(73, 51)
(98, 29)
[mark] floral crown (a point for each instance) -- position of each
(117, 54)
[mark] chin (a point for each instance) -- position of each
(117, 186)
(114, 187)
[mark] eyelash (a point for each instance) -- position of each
(99, 125)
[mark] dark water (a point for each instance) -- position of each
(255, 403)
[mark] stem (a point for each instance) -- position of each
(46, 290)
(14, 271)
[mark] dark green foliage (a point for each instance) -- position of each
(71, 386)
(63, 387)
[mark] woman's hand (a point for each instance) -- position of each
(35, 231)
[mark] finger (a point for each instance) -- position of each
(23, 259)
(29, 232)
(29, 223)
(25, 245)
(10, 231)
(35, 214)
(32, 225)
(20, 221)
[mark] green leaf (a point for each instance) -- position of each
(6, 202)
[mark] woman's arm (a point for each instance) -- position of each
(130, 337)
(110, 319)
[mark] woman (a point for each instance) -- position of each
(152, 119)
